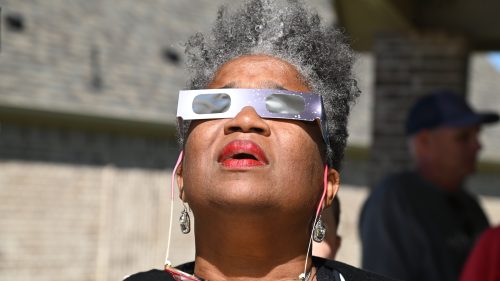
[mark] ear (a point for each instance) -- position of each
(333, 184)
(180, 181)
(338, 243)
(422, 142)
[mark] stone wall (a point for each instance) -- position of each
(80, 205)
(95, 57)
(79, 222)
(74, 146)
(407, 67)
(101, 57)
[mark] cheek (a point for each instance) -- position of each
(201, 134)
(442, 151)
(198, 150)
(452, 153)
(302, 155)
(299, 146)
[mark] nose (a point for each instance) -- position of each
(247, 121)
(473, 144)
(476, 143)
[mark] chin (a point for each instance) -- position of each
(471, 169)
(244, 206)
(233, 197)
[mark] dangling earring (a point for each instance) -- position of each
(319, 230)
(185, 221)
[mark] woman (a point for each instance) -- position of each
(262, 143)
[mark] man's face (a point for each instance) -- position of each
(454, 150)
(251, 164)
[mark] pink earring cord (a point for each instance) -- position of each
(318, 211)
(172, 182)
(325, 187)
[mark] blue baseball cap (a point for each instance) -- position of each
(444, 109)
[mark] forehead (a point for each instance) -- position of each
(450, 133)
(259, 71)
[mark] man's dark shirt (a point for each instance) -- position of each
(326, 270)
(412, 230)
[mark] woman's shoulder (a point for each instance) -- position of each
(348, 272)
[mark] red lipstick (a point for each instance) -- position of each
(242, 154)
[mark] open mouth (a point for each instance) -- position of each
(242, 154)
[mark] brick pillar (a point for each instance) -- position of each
(408, 66)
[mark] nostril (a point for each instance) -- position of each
(258, 130)
(240, 129)
(235, 129)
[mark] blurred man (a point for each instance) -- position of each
(421, 224)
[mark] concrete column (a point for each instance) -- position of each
(408, 66)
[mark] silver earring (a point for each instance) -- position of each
(319, 230)
(185, 221)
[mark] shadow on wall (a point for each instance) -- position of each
(70, 146)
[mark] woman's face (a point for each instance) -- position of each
(251, 164)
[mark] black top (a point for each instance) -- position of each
(325, 270)
(413, 230)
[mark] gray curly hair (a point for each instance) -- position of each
(284, 29)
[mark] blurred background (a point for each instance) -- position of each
(88, 93)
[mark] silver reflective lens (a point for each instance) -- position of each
(211, 103)
(285, 104)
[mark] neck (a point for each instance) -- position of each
(236, 247)
(440, 178)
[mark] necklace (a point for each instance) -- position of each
(302, 277)
(305, 276)
(183, 276)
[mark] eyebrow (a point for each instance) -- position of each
(229, 85)
(267, 84)
(273, 85)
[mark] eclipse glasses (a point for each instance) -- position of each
(268, 103)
